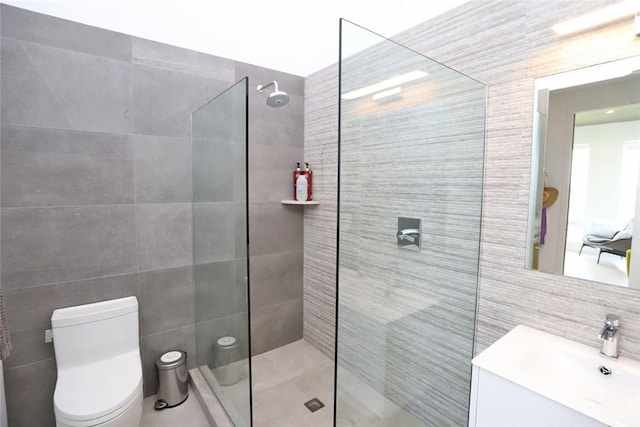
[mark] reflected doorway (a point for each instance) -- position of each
(603, 193)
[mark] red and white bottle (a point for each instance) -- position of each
(296, 174)
(307, 172)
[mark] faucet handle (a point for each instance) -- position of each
(612, 320)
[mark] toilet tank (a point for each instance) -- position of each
(91, 333)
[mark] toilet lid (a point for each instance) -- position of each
(92, 391)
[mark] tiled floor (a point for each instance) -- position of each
(188, 414)
(283, 380)
(287, 377)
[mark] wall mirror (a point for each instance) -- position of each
(584, 174)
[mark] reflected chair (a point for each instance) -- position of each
(617, 244)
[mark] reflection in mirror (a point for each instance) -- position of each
(584, 175)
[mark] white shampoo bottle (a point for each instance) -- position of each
(301, 189)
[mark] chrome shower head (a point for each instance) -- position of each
(277, 98)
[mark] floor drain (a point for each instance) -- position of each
(314, 404)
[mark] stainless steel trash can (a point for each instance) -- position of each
(172, 379)
(227, 368)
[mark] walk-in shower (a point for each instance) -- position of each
(277, 98)
(410, 156)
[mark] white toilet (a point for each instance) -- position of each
(99, 369)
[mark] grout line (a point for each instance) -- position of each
(58, 129)
(168, 330)
(19, 288)
(68, 206)
(126, 61)
(99, 132)
(31, 363)
(133, 204)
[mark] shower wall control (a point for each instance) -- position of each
(409, 235)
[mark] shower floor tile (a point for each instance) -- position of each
(287, 377)
(283, 380)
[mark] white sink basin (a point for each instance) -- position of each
(568, 373)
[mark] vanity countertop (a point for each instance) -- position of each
(568, 373)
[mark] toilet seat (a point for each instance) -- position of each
(96, 393)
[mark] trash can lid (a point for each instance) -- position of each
(226, 341)
(171, 359)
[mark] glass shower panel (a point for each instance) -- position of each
(411, 159)
(219, 168)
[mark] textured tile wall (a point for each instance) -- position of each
(506, 44)
(320, 223)
(96, 193)
(419, 157)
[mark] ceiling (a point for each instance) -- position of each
(625, 113)
(286, 35)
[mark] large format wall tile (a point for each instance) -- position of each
(275, 326)
(163, 100)
(29, 310)
(275, 227)
(179, 59)
(275, 279)
(30, 394)
(213, 167)
(164, 236)
(56, 88)
(265, 157)
(56, 167)
(223, 118)
(216, 290)
(276, 141)
(214, 238)
(276, 126)
(43, 29)
(270, 186)
(163, 169)
(166, 300)
(240, 229)
(48, 245)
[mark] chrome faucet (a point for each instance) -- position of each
(609, 336)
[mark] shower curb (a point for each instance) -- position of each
(213, 410)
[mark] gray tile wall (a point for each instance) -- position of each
(506, 44)
(96, 191)
(276, 143)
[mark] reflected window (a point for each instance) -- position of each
(578, 196)
(629, 180)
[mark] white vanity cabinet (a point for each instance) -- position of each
(497, 402)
